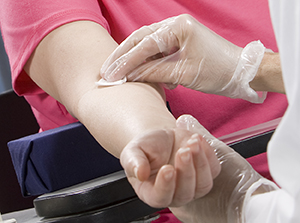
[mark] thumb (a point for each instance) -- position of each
(135, 162)
(159, 70)
(152, 47)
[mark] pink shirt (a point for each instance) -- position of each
(24, 24)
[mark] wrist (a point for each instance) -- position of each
(269, 76)
(245, 71)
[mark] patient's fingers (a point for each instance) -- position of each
(135, 162)
(147, 152)
(163, 191)
(147, 161)
(158, 190)
(194, 177)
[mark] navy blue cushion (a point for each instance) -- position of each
(59, 158)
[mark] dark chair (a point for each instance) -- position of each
(16, 121)
(69, 155)
(55, 159)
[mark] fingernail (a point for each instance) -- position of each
(135, 171)
(108, 73)
(195, 135)
(192, 141)
(185, 154)
(107, 76)
(168, 175)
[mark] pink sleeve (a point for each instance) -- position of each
(25, 23)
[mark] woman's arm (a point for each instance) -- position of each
(66, 65)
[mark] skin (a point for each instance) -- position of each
(140, 58)
(269, 75)
(72, 82)
(66, 65)
(268, 78)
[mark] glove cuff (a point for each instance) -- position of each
(242, 194)
(247, 67)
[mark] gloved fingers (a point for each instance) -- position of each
(213, 160)
(160, 70)
(221, 150)
(131, 41)
(153, 46)
(206, 164)
(185, 177)
(112, 61)
(194, 174)
(188, 122)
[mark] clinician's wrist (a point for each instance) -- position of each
(269, 76)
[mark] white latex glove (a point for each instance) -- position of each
(231, 189)
(180, 50)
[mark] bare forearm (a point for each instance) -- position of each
(269, 76)
(114, 115)
(66, 65)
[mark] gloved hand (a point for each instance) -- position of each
(180, 50)
(232, 188)
(169, 167)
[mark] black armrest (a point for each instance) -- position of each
(38, 160)
(110, 197)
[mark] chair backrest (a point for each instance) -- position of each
(16, 120)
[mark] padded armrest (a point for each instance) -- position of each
(59, 158)
(91, 195)
(110, 198)
(68, 155)
(252, 141)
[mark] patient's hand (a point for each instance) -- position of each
(170, 167)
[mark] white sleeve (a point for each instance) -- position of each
(283, 205)
(273, 207)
